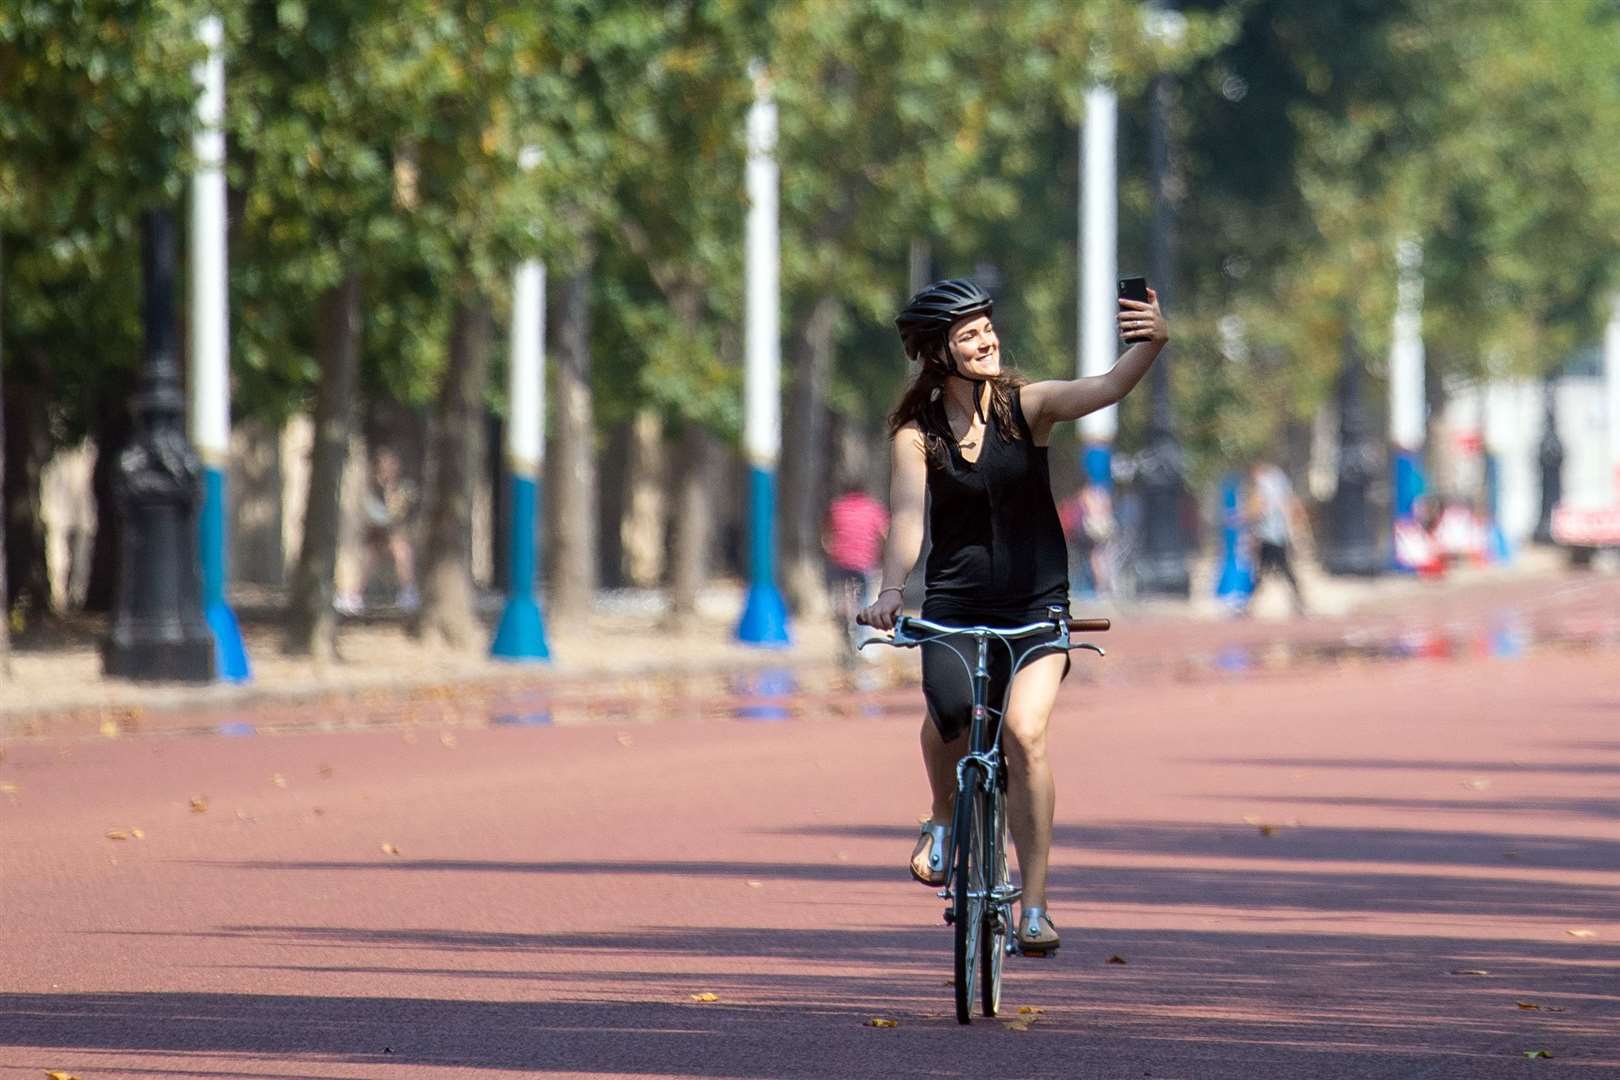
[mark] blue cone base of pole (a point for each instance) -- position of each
(230, 655)
(764, 618)
(522, 632)
(1098, 462)
(1497, 547)
(1409, 482)
(1236, 582)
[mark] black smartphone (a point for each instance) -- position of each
(1133, 288)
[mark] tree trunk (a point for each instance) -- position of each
(311, 622)
(448, 616)
(5, 607)
(573, 485)
(694, 520)
(27, 448)
(642, 531)
(114, 426)
(805, 461)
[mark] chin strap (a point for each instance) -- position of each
(955, 369)
(978, 393)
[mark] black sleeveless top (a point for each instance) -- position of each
(998, 549)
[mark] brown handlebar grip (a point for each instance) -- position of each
(1088, 626)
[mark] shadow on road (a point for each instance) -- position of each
(1186, 1004)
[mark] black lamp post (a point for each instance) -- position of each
(1162, 566)
(1551, 459)
(1352, 548)
(158, 631)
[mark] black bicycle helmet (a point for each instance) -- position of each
(928, 315)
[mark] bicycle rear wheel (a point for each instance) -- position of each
(970, 890)
(997, 920)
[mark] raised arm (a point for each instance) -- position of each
(908, 486)
(1057, 400)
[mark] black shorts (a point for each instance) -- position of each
(947, 681)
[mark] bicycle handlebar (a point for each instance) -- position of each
(905, 623)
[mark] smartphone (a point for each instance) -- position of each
(1133, 288)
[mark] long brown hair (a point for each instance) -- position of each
(923, 402)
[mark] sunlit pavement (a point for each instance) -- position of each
(1384, 847)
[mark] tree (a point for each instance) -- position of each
(95, 118)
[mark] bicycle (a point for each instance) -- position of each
(978, 889)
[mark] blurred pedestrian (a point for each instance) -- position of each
(387, 507)
(1071, 516)
(1415, 547)
(968, 445)
(1087, 517)
(852, 536)
(1276, 520)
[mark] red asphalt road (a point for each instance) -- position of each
(1356, 870)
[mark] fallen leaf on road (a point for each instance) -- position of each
(1581, 933)
(705, 996)
(1476, 784)
(139, 834)
(880, 1022)
(325, 771)
(389, 849)
(623, 739)
(199, 805)
(1265, 829)
(278, 780)
(1527, 1005)
(56, 1074)
(1022, 1023)
(8, 789)
(117, 834)
(110, 729)
(1537, 1054)
(1116, 959)
(756, 884)
(1030, 1010)
(843, 856)
(448, 741)
(1470, 971)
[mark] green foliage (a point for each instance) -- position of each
(391, 137)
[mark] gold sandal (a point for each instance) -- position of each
(936, 838)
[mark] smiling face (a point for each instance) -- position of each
(975, 347)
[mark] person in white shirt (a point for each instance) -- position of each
(1275, 518)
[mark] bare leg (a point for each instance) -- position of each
(404, 564)
(1031, 795)
(939, 759)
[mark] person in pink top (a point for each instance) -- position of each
(852, 535)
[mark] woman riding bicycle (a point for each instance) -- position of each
(972, 438)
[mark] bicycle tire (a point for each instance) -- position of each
(997, 923)
(968, 892)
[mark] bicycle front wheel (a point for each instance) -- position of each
(997, 918)
(970, 892)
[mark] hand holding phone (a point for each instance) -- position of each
(1134, 289)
